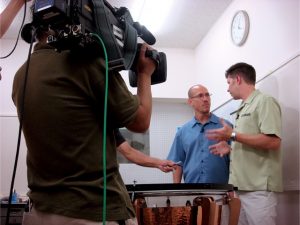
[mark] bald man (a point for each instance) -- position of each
(190, 146)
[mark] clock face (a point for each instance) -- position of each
(240, 27)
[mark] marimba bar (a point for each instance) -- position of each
(205, 209)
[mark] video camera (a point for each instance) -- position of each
(74, 22)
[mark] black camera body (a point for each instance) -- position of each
(74, 22)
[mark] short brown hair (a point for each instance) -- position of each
(247, 72)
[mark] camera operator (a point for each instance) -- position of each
(63, 129)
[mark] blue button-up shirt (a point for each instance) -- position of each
(190, 146)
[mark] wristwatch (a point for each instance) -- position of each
(233, 136)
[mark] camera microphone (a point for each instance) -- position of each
(144, 33)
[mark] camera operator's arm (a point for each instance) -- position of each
(8, 14)
(145, 69)
(140, 158)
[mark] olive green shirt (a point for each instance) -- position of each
(257, 169)
(63, 129)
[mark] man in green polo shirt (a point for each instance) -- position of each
(256, 163)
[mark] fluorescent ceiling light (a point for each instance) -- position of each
(151, 13)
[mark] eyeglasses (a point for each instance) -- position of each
(201, 95)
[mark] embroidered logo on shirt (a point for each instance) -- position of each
(246, 114)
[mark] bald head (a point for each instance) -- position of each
(195, 89)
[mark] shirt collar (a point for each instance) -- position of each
(213, 119)
(250, 98)
(40, 45)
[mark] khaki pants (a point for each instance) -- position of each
(258, 208)
(35, 217)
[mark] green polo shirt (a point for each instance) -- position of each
(257, 169)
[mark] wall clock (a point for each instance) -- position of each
(240, 27)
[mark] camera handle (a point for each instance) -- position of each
(153, 54)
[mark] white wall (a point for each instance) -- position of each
(273, 39)
(8, 119)
(181, 74)
(9, 67)
(9, 138)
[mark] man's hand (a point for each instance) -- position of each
(221, 148)
(166, 166)
(221, 134)
(145, 65)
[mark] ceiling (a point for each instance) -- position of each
(186, 25)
